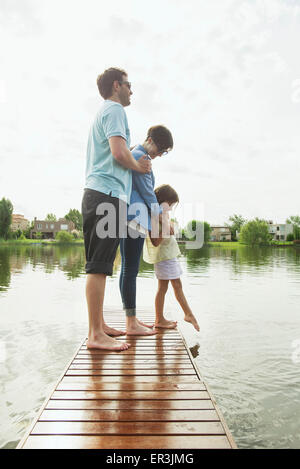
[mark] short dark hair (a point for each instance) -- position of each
(106, 79)
(161, 136)
(166, 193)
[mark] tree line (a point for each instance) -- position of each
(251, 232)
(6, 232)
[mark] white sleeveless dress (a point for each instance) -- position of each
(164, 258)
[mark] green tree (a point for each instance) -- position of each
(6, 210)
(237, 221)
(75, 216)
(50, 217)
(255, 232)
(28, 230)
(191, 229)
(295, 221)
(64, 237)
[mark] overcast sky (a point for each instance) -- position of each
(223, 75)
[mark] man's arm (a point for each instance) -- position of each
(123, 156)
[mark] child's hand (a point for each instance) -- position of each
(172, 228)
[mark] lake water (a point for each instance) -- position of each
(247, 302)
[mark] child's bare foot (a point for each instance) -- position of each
(112, 332)
(191, 318)
(165, 323)
(136, 328)
(104, 342)
(146, 325)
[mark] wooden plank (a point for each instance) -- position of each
(124, 415)
(98, 385)
(126, 395)
(145, 352)
(134, 366)
(133, 379)
(129, 372)
(128, 428)
(125, 362)
(128, 442)
(130, 404)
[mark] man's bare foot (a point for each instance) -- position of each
(104, 342)
(191, 318)
(136, 328)
(112, 332)
(166, 324)
(146, 325)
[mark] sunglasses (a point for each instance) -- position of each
(127, 83)
(163, 152)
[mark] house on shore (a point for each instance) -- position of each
(19, 222)
(220, 233)
(49, 229)
(279, 231)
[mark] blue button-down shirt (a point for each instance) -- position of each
(142, 193)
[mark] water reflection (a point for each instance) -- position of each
(5, 269)
(71, 260)
(196, 258)
(15, 259)
(195, 350)
(241, 258)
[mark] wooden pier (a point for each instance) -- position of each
(149, 396)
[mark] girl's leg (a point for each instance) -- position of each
(160, 320)
(188, 315)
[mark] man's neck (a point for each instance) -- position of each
(115, 99)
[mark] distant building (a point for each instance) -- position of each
(280, 231)
(50, 228)
(19, 222)
(220, 233)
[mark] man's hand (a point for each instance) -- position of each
(124, 157)
(143, 165)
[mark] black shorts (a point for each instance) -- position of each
(101, 238)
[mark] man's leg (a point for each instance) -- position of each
(95, 288)
(100, 254)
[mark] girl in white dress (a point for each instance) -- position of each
(162, 250)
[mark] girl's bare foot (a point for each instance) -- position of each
(112, 332)
(191, 318)
(166, 324)
(104, 342)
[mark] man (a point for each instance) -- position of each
(108, 184)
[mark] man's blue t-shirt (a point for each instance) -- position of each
(103, 172)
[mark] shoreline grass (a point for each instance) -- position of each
(44, 242)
